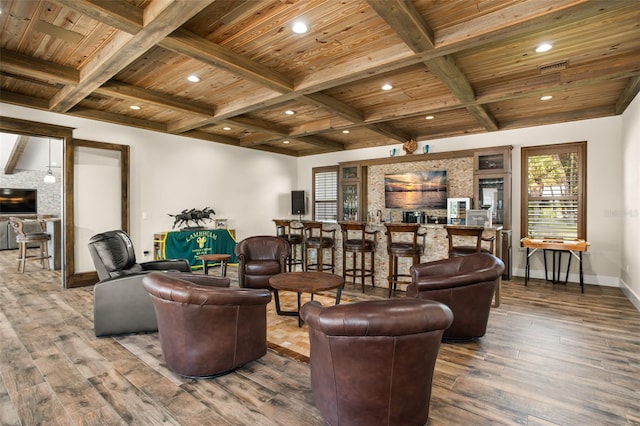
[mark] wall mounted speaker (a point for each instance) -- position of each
(297, 202)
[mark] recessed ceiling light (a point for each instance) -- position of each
(290, 112)
(226, 128)
(546, 97)
(387, 86)
(429, 117)
(193, 78)
(136, 107)
(285, 142)
(544, 47)
(299, 27)
(345, 131)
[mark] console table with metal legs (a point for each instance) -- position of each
(574, 248)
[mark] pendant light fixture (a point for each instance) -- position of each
(49, 177)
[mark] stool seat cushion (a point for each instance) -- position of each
(405, 249)
(315, 242)
(357, 245)
(292, 238)
(35, 236)
(466, 250)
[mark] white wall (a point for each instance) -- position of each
(629, 215)
(602, 262)
(250, 188)
(172, 173)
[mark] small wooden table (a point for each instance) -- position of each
(222, 258)
(300, 282)
(556, 247)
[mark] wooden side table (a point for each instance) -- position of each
(222, 258)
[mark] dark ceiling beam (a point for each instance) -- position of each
(39, 69)
(134, 93)
(160, 19)
(280, 131)
(629, 93)
(118, 14)
(403, 18)
(186, 43)
(191, 45)
(109, 117)
(406, 21)
(16, 153)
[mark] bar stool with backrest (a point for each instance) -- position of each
(473, 236)
(293, 235)
(402, 241)
(24, 239)
(356, 239)
(317, 237)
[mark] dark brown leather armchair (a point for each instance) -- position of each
(372, 362)
(260, 258)
(207, 331)
(465, 284)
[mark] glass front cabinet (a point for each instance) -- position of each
(492, 184)
(352, 192)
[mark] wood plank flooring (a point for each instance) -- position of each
(551, 356)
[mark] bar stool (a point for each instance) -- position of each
(402, 241)
(467, 232)
(355, 241)
(287, 230)
(474, 234)
(316, 237)
(25, 238)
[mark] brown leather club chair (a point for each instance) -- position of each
(372, 362)
(465, 284)
(260, 258)
(207, 331)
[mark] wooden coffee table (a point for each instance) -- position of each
(304, 282)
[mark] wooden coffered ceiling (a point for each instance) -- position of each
(471, 64)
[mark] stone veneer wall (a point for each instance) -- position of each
(460, 184)
(49, 195)
(459, 181)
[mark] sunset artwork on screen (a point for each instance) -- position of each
(416, 190)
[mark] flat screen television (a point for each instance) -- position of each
(416, 190)
(18, 201)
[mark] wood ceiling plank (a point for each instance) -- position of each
(115, 13)
(126, 49)
(194, 46)
(124, 120)
(405, 20)
(134, 93)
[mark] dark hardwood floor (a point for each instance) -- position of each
(551, 356)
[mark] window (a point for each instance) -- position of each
(325, 193)
(554, 191)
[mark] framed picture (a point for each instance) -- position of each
(220, 223)
(479, 218)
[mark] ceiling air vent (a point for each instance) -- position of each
(553, 67)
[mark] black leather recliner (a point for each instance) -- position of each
(120, 303)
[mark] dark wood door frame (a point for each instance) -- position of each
(32, 128)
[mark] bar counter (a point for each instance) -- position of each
(436, 248)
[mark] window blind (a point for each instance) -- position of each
(553, 204)
(326, 195)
